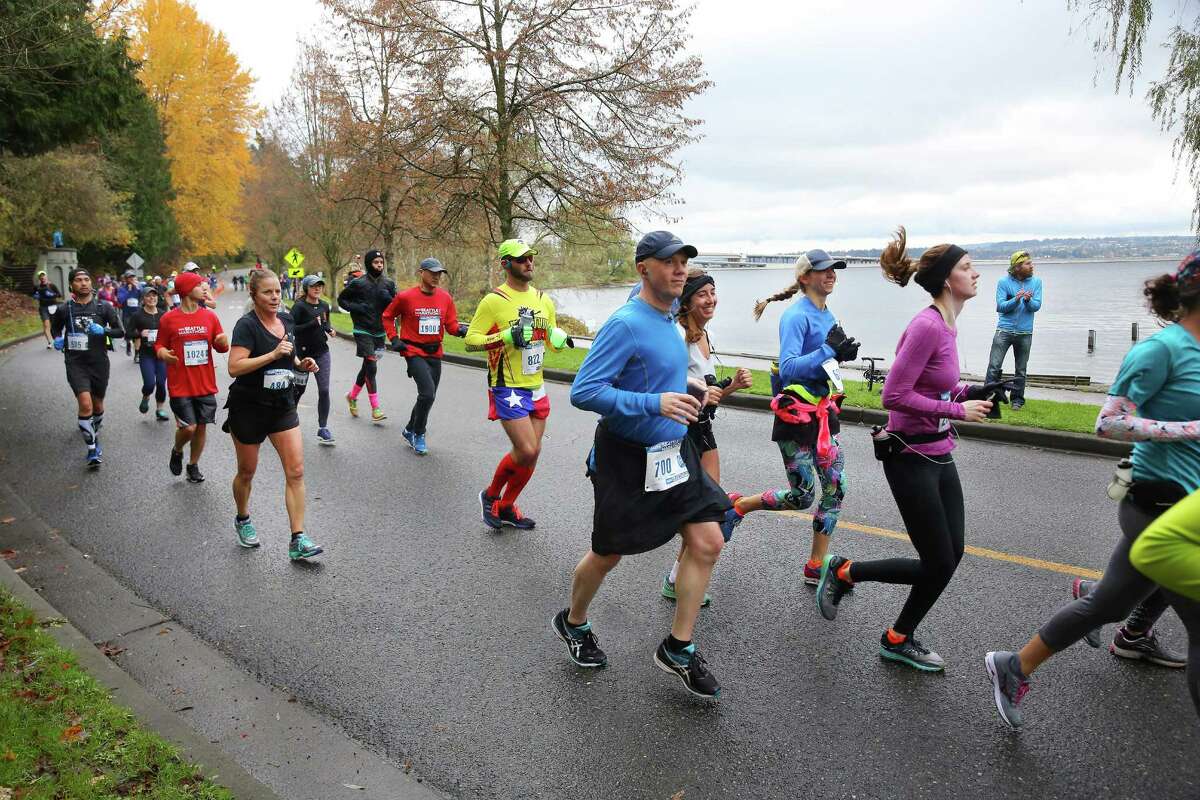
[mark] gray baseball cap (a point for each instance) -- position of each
(433, 265)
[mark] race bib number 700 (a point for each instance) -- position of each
(664, 466)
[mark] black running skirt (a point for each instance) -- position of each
(627, 519)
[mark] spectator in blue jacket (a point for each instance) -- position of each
(1018, 298)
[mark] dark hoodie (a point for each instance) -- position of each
(366, 297)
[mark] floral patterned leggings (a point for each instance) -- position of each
(804, 470)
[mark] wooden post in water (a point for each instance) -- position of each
(1091, 341)
(1135, 331)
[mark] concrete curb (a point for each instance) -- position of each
(125, 691)
(20, 339)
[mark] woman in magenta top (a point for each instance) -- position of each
(923, 395)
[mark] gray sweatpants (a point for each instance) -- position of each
(1119, 592)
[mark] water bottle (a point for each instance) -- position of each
(1122, 479)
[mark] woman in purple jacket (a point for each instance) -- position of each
(922, 394)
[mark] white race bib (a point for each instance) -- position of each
(299, 378)
(150, 335)
(429, 326)
(277, 379)
(835, 374)
(51, 309)
(664, 466)
(132, 302)
(531, 358)
(77, 341)
(195, 354)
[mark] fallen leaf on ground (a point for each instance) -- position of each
(8, 520)
(109, 649)
(72, 734)
(9, 756)
(5, 793)
(678, 795)
(19, 570)
(8, 554)
(354, 786)
(163, 631)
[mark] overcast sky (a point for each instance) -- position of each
(831, 122)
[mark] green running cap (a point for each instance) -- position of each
(514, 248)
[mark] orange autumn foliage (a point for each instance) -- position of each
(203, 98)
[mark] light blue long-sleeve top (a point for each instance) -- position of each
(802, 349)
(1017, 315)
(638, 354)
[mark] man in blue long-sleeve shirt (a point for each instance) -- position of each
(1018, 298)
(646, 474)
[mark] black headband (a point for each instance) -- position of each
(694, 285)
(934, 278)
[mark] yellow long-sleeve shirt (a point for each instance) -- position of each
(498, 311)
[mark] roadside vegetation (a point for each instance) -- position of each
(1047, 414)
(18, 316)
(61, 736)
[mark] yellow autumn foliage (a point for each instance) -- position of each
(203, 100)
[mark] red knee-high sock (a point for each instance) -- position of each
(504, 472)
(516, 483)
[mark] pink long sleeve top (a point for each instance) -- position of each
(922, 390)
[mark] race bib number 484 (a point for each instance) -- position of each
(664, 466)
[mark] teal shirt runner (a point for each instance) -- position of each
(1161, 376)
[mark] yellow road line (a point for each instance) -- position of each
(982, 552)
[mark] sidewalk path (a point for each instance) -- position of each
(428, 637)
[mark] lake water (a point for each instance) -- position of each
(1077, 296)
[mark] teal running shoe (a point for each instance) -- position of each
(303, 547)
(409, 437)
(247, 536)
(419, 444)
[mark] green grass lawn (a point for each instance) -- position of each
(61, 735)
(20, 324)
(1048, 414)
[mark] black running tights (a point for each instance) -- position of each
(930, 500)
(427, 372)
(366, 375)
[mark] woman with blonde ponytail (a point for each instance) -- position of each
(811, 345)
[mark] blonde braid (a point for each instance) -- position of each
(786, 294)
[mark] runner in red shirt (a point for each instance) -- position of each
(426, 314)
(187, 336)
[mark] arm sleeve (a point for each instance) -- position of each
(794, 366)
(478, 336)
(58, 321)
(389, 317)
(1035, 303)
(1004, 303)
(594, 389)
(348, 300)
(1118, 420)
(915, 351)
(305, 318)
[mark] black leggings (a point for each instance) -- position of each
(930, 500)
(366, 375)
(1189, 611)
(427, 372)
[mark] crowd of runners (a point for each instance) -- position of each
(654, 463)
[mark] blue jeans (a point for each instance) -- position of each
(1020, 344)
(154, 377)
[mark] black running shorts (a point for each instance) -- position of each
(365, 344)
(88, 376)
(701, 434)
(195, 410)
(627, 519)
(252, 424)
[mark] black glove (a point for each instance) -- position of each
(987, 390)
(462, 328)
(844, 347)
(519, 330)
(398, 346)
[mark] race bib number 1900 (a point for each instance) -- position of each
(664, 466)
(429, 326)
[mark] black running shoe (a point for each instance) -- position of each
(691, 668)
(513, 518)
(486, 504)
(176, 462)
(831, 588)
(582, 645)
(194, 474)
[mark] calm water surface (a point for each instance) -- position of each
(1076, 297)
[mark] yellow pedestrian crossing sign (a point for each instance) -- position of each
(295, 258)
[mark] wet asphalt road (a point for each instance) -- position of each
(427, 636)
